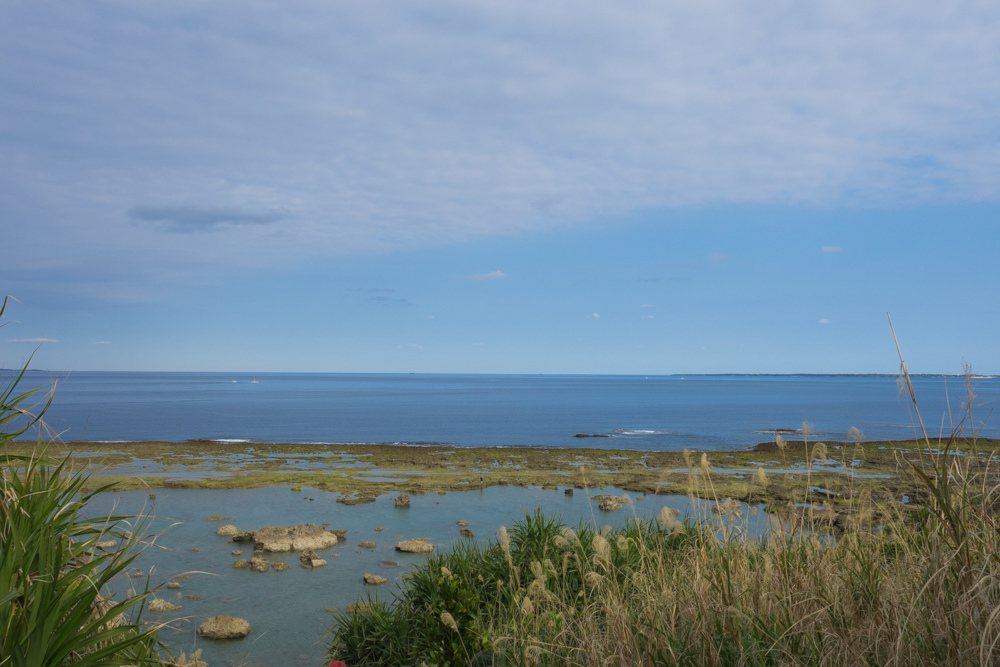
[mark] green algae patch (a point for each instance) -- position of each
(831, 474)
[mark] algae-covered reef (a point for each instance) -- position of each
(777, 473)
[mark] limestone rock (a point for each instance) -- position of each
(158, 606)
(341, 533)
(374, 579)
(228, 530)
(279, 566)
(259, 565)
(402, 500)
(237, 552)
(293, 538)
(461, 523)
(224, 627)
(107, 545)
(610, 504)
(313, 563)
(366, 545)
(241, 563)
(246, 536)
(173, 585)
(465, 532)
(418, 545)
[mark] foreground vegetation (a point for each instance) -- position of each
(57, 567)
(919, 589)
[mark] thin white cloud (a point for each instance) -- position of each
(648, 317)
(596, 316)
(102, 342)
(494, 275)
(824, 321)
(32, 340)
(830, 249)
(646, 305)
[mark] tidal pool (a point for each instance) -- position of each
(288, 610)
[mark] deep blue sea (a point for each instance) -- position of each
(647, 413)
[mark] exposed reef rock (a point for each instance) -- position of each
(224, 627)
(293, 538)
(158, 606)
(418, 545)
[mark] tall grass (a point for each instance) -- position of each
(901, 585)
(56, 565)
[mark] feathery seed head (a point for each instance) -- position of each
(449, 621)
(759, 477)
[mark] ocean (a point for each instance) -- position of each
(659, 413)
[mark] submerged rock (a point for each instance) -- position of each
(366, 545)
(419, 545)
(461, 523)
(193, 661)
(357, 500)
(224, 627)
(173, 585)
(465, 532)
(241, 563)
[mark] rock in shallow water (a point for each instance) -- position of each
(293, 538)
(224, 627)
(158, 606)
(374, 579)
(229, 530)
(418, 545)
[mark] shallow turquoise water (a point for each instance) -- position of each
(287, 609)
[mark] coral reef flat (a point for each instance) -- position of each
(794, 472)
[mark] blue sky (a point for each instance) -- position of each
(506, 187)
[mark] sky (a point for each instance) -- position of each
(500, 187)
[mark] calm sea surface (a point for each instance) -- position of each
(648, 413)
